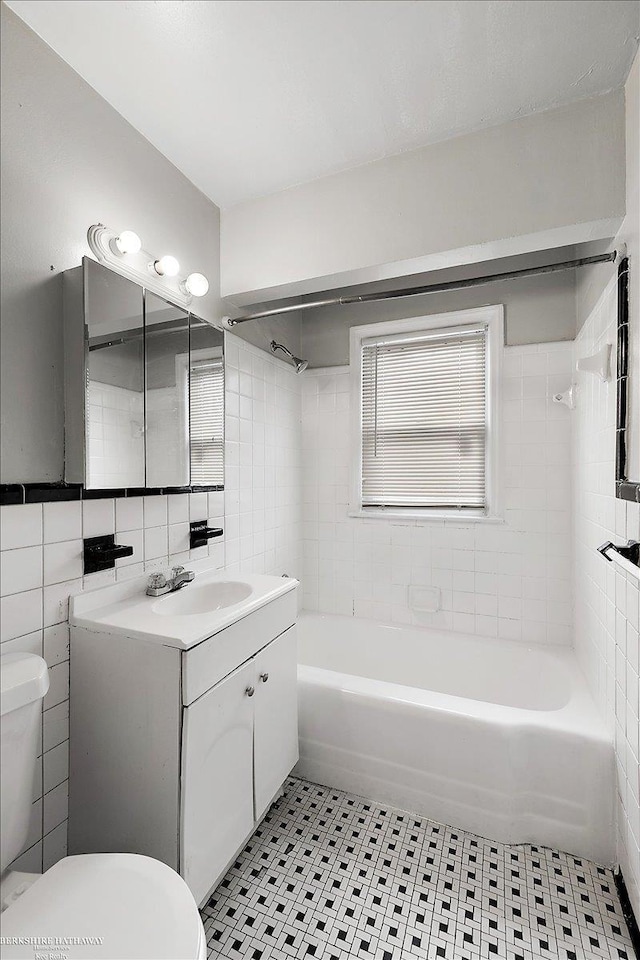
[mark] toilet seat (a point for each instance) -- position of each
(139, 907)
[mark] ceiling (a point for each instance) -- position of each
(247, 98)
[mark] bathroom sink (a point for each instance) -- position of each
(204, 607)
(202, 598)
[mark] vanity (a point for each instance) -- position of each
(183, 719)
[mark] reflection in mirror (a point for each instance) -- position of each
(627, 396)
(144, 387)
(114, 420)
(167, 394)
(206, 376)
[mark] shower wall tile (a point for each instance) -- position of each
(263, 463)
(607, 598)
(511, 580)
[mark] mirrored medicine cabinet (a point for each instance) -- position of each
(144, 387)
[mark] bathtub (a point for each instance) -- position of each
(491, 736)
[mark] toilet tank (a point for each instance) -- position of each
(24, 680)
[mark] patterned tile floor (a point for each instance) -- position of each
(329, 875)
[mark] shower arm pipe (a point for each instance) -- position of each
(432, 288)
(300, 365)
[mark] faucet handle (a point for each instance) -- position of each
(157, 581)
(176, 571)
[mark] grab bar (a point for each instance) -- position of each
(628, 556)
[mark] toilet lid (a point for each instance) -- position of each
(128, 906)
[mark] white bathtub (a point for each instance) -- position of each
(492, 736)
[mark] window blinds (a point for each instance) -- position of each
(424, 420)
(206, 385)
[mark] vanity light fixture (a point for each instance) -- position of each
(166, 266)
(124, 253)
(196, 284)
(126, 242)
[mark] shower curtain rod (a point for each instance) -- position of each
(433, 288)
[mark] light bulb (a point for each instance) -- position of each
(167, 266)
(197, 285)
(128, 242)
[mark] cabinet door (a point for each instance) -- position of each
(166, 361)
(114, 395)
(276, 718)
(217, 779)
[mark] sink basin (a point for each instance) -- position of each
(205, 607)
(197, 599)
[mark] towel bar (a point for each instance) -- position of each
(627, 556)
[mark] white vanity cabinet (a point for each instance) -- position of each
(178, 753)
(240, 741)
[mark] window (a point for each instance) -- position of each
(425, 417)
(207, 422)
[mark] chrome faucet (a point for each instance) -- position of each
(158, 583)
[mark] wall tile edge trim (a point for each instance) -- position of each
(625, 489)
(20, 493)
(627, 910)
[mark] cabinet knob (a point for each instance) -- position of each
(264, 677)
(250, 691)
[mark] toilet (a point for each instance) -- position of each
(104, 905)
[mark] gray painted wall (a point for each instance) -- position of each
(69, 160)
(121, 365)
(537, 309)
(260, 333)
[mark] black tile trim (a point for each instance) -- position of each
(17, 493)
(103, 494)
(625, 489)
(44, 492)
(627, 910)
(11, 493)
(143, 491)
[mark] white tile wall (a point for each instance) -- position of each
(511, 580)
(607, 599)
(262, 462)
(41, 558)
(62, 521)
(42, 566)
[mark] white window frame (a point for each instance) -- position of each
(493, 318)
